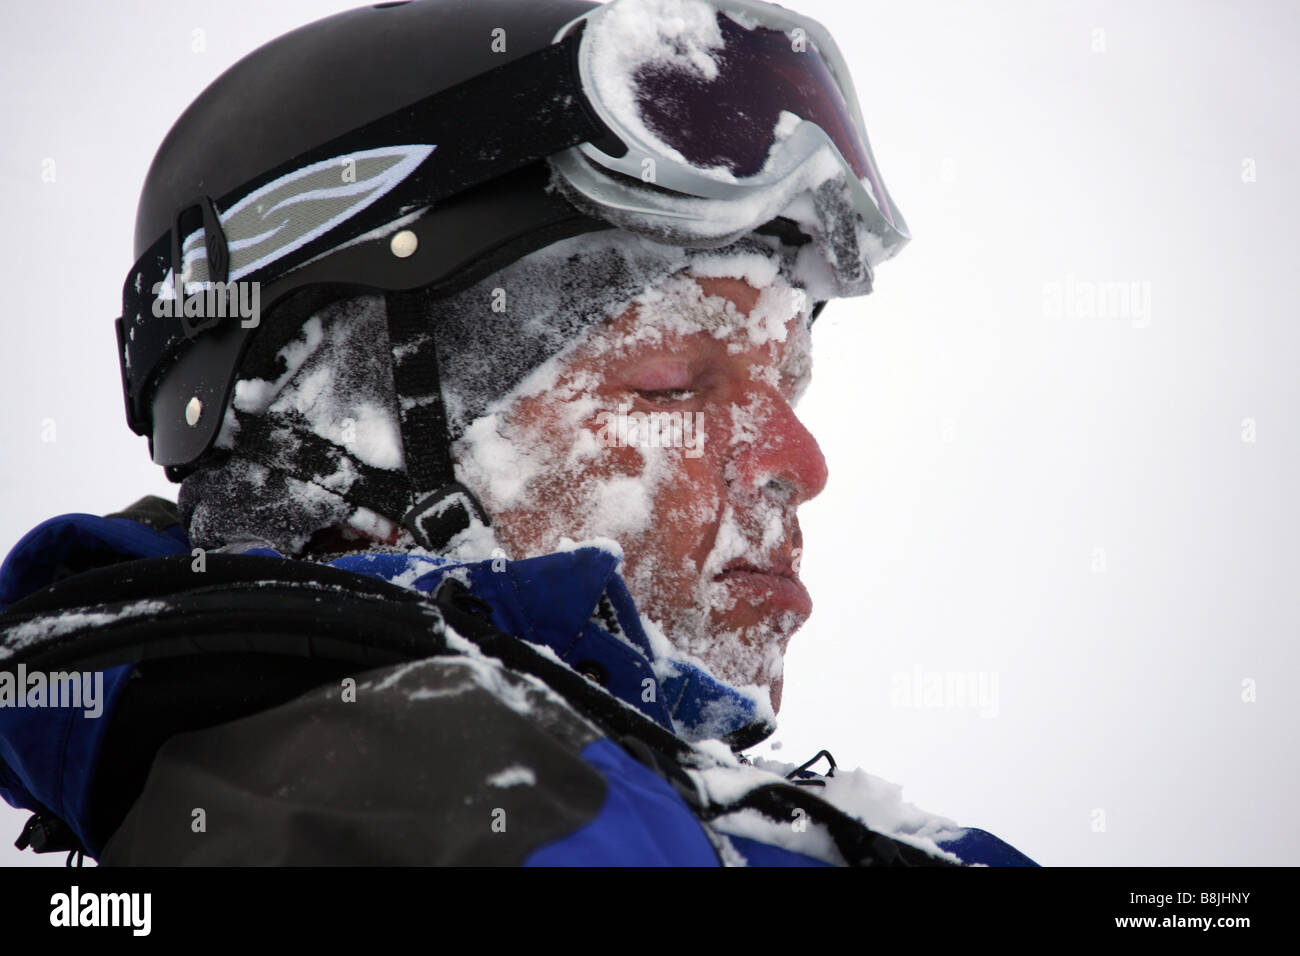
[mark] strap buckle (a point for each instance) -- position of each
(218, 259)
(439, 516)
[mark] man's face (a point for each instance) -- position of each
(710, 368)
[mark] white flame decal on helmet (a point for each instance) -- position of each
(300, 206)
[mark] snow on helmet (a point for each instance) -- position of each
(406, 152)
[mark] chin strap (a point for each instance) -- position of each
(440, 507)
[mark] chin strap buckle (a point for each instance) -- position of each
(439, 516)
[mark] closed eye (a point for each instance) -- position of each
(666, 394)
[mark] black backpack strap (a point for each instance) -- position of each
(241, 604)
(857, 843)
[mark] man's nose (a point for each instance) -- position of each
(783, 459)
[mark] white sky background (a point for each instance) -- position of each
(981, 445)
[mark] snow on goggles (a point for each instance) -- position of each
(736, 102)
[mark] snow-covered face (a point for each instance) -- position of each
(670, 429)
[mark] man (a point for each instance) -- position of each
(486, 548)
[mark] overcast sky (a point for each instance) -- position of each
(1062, 432)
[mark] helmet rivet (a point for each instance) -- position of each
(404, 243)
(193, 411)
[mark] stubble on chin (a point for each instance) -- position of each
(698, 617)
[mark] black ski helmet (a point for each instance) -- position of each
(278, 105)
(483, 81)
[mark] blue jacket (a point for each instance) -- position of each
(573, 603)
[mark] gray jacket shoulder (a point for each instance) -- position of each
(449, 760)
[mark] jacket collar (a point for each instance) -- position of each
(575, 603)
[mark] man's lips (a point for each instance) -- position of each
(777, 580)
(779, 569)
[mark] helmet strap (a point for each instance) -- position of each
(440, 507)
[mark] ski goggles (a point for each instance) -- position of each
(726, 111)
